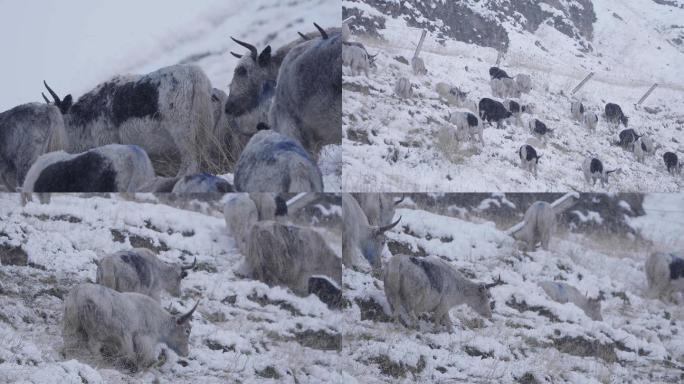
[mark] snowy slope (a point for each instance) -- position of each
(394, 145)
(243, 330)
(530, 339)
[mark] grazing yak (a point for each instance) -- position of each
(517, 110)
(167, 112)
(289, 255)
(254, 81)
(614, 115)
(665, 274)
(415, 285)
(593, 170)
(361, 242)
(529, 160)
(356, 58)
(128, 324)
(469, 124)
(418, 66)
(307, 106)
(272, 162)
(371, 58)
(577, 110)
(505, 87)
(539, 129)
(627, 139)
(27, 132)
(403, 89)
(523, 83)
(379, 208)
(672, 163)
(590, 121)
(453, 95)
(493, 111)
(566, 293)
(498, 73)
(112, 168)
(540, 222)
(643, 146)
(139, 270)
(240, 213)
(201, 183)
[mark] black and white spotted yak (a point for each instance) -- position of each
(615, 116)
(493, 111)
(112, 168)
(168, 113)
(27, 132)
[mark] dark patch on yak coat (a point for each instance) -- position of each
(472, 120)
(281, 206)
(627, 137)
(492, 110)
(671, 160)
(676, 267)
(142, 268)
(89, 172)
(540, 128)
(498, 73)
(118, 102)
(136, 100)
(432, 271)
(530, 152)
(596, 166)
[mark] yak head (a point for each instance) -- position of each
(252, 87)
(179, 333)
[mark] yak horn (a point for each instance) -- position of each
(387, 227)
(184, 268)
(236, 55)
(52, 93)
(322, 31)
(252, 49)
(185, 318)
(494, 284)
(45, 98)
(303, 36)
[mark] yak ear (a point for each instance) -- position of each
(67, 103)
(265, 57)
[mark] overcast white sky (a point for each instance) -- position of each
(75, 44)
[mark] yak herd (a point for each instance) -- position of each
(120, 316)
(418, 285)
(469, 122)
(148, 133)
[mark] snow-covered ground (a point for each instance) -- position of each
(77, 44)
(243, 330)
(392, 144)
(531, 339)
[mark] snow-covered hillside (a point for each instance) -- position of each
(243, 330)
(531, 339)
(392, 144)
